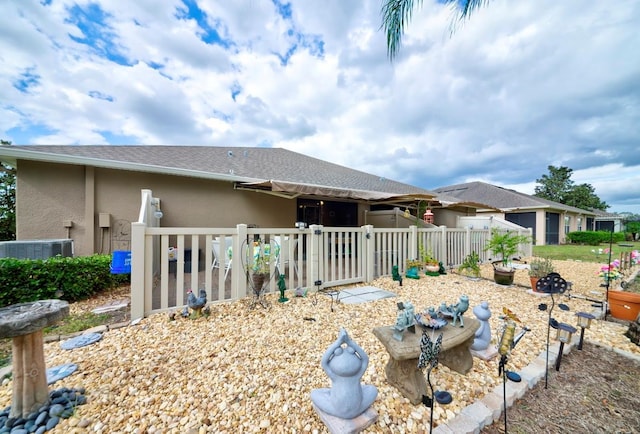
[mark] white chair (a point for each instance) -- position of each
(283, 257)
(222, 259)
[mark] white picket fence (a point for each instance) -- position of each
(166, 262)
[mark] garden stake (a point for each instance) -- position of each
(429, 358)
(608, 280)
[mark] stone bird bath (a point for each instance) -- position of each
(24, 323)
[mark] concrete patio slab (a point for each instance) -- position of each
(363, 294)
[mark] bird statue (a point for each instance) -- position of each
(197, 303)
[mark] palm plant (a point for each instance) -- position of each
(396, 15)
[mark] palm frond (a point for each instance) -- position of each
(396, 15)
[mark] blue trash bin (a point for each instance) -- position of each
(121, 262)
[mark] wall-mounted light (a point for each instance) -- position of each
(155, 202)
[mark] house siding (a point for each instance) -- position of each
(46, 195)
(43, 205)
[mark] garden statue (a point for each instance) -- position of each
(455, 311)
(282, 286)
(344, 362)
(396, 274)
(405, 320)
(483, 334)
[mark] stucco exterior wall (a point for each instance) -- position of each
(48, 194)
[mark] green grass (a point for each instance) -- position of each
(77, 323)
(583, 253)
(70, 324)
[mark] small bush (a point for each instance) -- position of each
(594, 238)
(71, 279)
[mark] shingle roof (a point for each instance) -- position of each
(229, 163)
(501, 198)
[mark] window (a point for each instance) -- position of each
(567, 224)
(579, 223)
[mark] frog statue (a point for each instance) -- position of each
(345, 363)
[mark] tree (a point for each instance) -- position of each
(7, 200)
(555, 185)
(396, 15)
(559, 187)
(584, 196)
(633, 227)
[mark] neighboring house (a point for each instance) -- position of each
(91, 194)
(605, 221)
(550, 221)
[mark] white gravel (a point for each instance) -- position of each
(242, 370)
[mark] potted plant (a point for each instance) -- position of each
(539, 267)
(470, 266)
(412, 268)
(431, 264)
(261, 264)
(504, 244)
(624, 301)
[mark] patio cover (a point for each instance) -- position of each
(293, 190)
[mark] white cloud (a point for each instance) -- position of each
(520, 86)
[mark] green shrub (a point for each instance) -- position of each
(71, 279)
(594, 238)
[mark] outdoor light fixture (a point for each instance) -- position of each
(155, 202)
(564, 336)
(584, 322)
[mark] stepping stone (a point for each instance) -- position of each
(109, 307)
(81, 341)
(59, 372)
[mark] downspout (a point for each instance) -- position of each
(89, 210)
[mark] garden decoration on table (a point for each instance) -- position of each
(455, 311)
(505, 245)
(470, 266)
(539, 267)
(413, 267)
(344, 362)
(405, 320)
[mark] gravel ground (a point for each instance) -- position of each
(243, 370)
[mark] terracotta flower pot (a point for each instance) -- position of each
(534, 281)
(624, 305)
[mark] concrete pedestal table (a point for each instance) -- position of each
(24, 323)
(402, 369)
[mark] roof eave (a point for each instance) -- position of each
(15, 154)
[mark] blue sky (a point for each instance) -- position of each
(520, 86)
